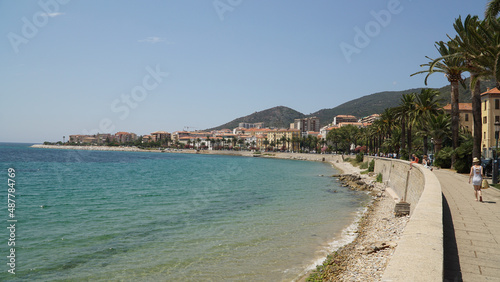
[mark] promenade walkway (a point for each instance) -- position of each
(471, 230)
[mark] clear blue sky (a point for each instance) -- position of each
(72, 67)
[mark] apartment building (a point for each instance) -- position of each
(490, 114)
(465, 113)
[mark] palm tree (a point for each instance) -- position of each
(439, 129)
(283, 140)
(426, 104)
(492, 9)
(223, 143)
(234, 141)
(208, 141)
(479, 45)
(452, 67)
(295, 140)
(387, 119)
(470, 44)
(405, 115)
(266, 142)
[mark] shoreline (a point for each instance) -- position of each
(366, 254)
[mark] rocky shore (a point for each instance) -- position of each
(366, 258)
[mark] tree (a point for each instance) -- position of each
(208, 141)
(492, 9)
(295, 140)
(266, 143)
(453, 67)
(470, 44)
(439, 129)
(333, 136)
(283, 140)
(405, 113)
(426, 105)
(479, 45)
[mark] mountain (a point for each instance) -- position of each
(370, 104)
(279, 117)
(364, 106)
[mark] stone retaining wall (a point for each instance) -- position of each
(419, 254)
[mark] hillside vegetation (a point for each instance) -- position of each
(281, 116)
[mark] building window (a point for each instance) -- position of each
(497, 104)
(484, 137)
(466, 117)
(485, 120)
(497, 118)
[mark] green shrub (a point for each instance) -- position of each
(379, 177)
(463, 157)
(363, 165)
(359, 158)
(371, 166)
(404, 155)
(443, 158)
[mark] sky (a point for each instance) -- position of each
(83, 67)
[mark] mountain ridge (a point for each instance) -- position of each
(375, 103)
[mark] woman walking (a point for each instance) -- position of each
(476, 174)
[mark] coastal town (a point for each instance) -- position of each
(253, 136)
(303, 135)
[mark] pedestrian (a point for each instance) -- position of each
(414, 159)
(426, 162)
(476, 174)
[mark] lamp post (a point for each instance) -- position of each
(494, 174)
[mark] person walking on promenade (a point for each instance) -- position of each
(476, 174)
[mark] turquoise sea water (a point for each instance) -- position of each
(92, 215)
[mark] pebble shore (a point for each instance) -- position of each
(366, 258)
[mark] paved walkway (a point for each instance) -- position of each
(471, 230)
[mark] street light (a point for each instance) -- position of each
(494, 175)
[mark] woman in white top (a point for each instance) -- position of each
(476, 174)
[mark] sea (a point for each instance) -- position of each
(77, 215)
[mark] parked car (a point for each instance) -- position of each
(487, 166)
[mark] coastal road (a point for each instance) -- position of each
(471, 230)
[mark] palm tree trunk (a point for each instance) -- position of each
(403, 135)
(426, 146)
(455, 118)
(476, 117)
(409, 140)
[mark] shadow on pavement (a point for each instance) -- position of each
(451, 263)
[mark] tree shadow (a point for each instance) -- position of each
(451, 262)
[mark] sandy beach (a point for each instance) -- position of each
(366, 257)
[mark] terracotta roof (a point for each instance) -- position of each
(121, 133)
(491, 91)
(159, 132)
(345, 116)
(461, 106)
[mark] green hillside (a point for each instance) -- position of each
(281, 116)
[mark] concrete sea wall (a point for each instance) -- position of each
(419, 254)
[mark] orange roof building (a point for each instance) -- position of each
(465, 113)
(490, 114)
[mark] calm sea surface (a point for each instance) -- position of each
(91, 215)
